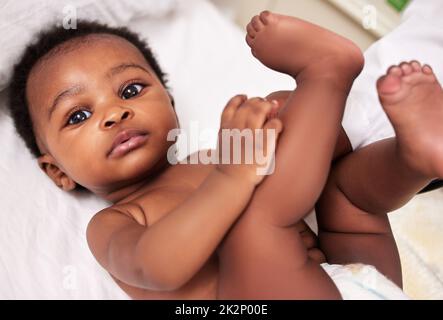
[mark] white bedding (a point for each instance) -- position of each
(43, 249)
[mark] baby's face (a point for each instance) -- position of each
(81, 99)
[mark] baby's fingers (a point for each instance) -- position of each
(258, 112)
(231, 109)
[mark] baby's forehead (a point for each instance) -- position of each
(78, 61)
(87, 46)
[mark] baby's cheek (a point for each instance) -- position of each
(88, 172)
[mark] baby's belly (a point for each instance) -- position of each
(202, 287)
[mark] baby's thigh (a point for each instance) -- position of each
(255, 241)
(262, 261)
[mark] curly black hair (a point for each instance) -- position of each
(51, 41)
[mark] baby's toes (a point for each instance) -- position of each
(395, 71)
(416, 66)
(428, 70)
(406, 68)
(249, 41)
(250, 31)
(266, 17)
(429, 75)
(257, 24)
(388, 85)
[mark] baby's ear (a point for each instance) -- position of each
(49, 166)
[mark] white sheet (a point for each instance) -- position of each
(44, 252)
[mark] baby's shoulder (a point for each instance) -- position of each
(115, 217)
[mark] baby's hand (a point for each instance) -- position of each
(247, 138)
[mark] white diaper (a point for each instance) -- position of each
(363, 282)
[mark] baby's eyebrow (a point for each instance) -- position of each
(71, 91)
(77, 89)
(122, 67)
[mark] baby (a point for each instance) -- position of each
(93, 107)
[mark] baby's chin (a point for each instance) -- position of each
(123, 175)
(105, 174)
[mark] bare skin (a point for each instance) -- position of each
(158, 210)
(263, 241)
(367, 184)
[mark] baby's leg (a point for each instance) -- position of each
(348, 234)
(343, 145)
(364, 186)
(324, 66)
(387, 174)
(263, 255)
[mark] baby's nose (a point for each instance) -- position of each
(116, 116)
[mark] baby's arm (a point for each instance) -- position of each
(343, 145)
(167, 254)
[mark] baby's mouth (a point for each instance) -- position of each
(126, 141)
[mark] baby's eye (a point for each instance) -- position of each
(79, 116)
(131, 91)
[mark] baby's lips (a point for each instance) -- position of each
(125, 135)
(129, 145)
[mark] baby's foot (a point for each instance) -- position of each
(301, 49)
(413, 100)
